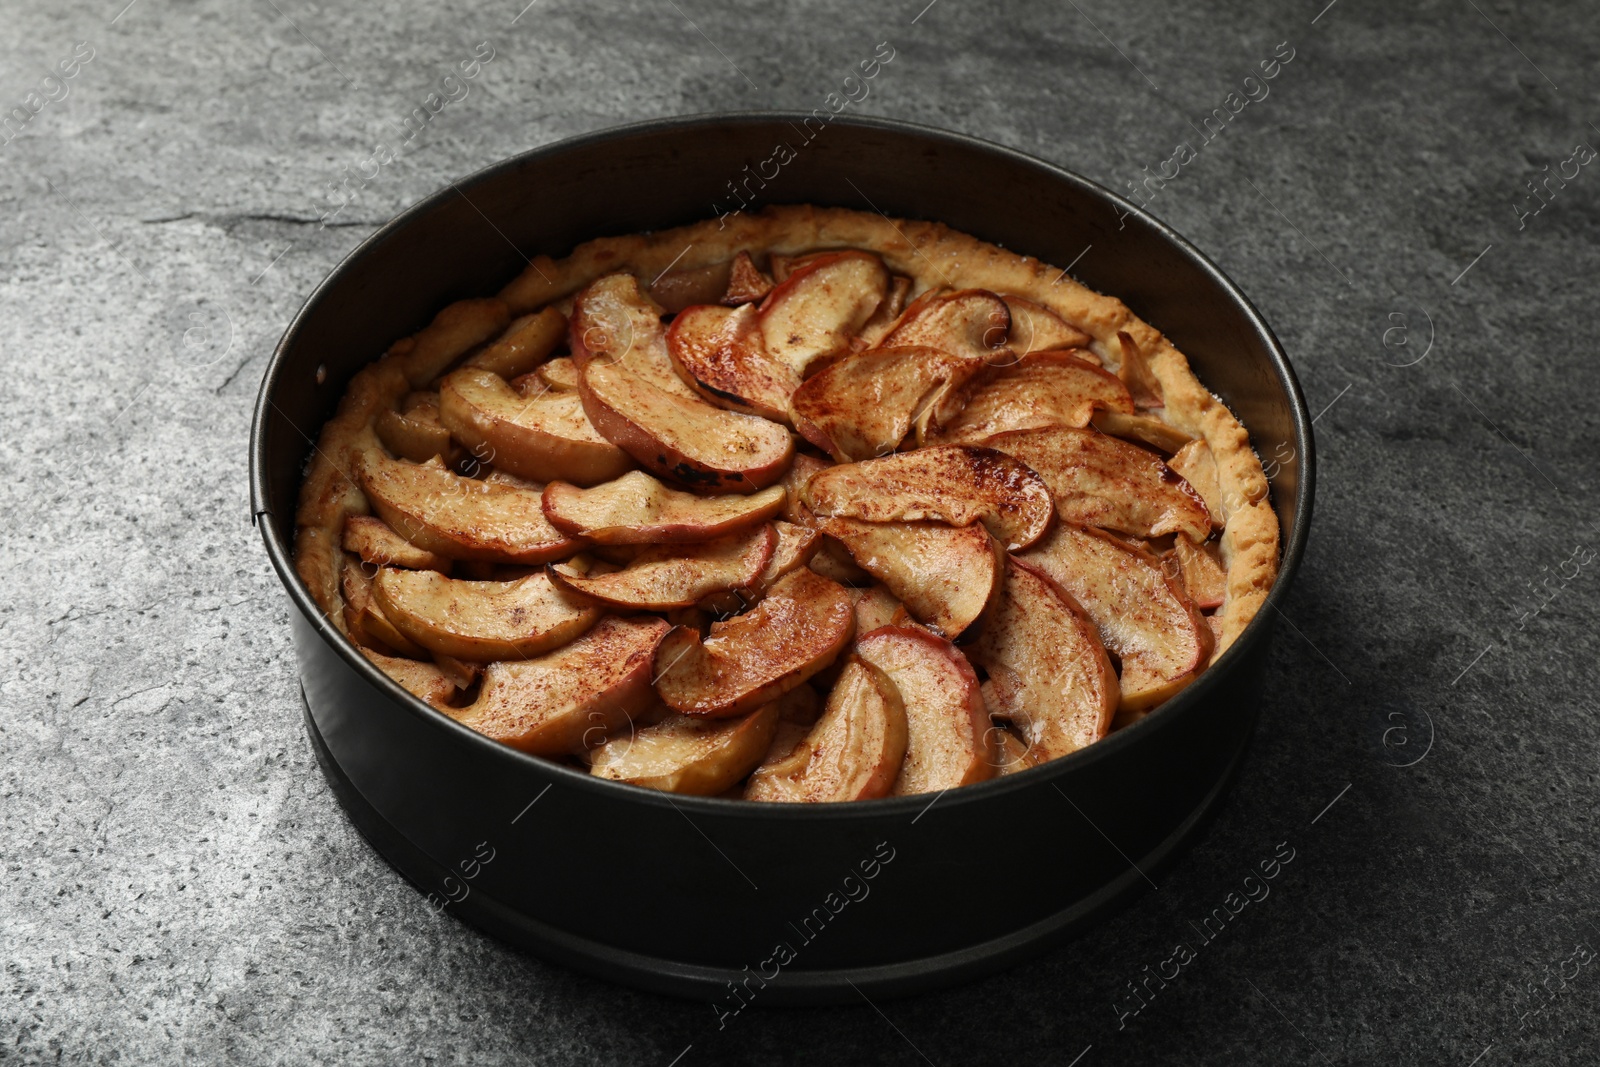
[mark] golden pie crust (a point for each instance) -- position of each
(930, 254)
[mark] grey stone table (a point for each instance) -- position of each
(179, 884)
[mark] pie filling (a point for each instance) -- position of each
(809, 505)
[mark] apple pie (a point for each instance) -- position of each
(806, 505)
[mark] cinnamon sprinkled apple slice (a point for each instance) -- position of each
(1035, 328)
(747, 283)
(955, 484)
(719, 352)
(638, 510)
(796, 631)
(688, 441)
(569, 699)
(462, 518)
(615, 322)
(424, 681)
(482, 621)
(812, 315)
(371, 538)
(527, 343)
(947, 576)
(688, 754)
(968, 322)
(1143, 616)
(1049, 676)
(948, 728)
(1039, 390)
(663, 577)
(864, 405)
(545, 437)
(853, 753)
(1102, 481)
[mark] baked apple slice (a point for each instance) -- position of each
(463, 518)
(1011, 753)
(1204, 578)
(686, 440)
(864, 405)
(415, 432)
(955, 484)
(1144, 618)
(831, 560)
(1035, 328)
(371, 538)
(677, 288)
(663, 577)
(750, 659)
(1196, 464)
(948, 728)
(1142, 429)
(527, 343)
(875, 607)
(853, 753)
(424, 681)
(569, 699)
(793, 548)
(968, 322)
(687, 753)
(482, 621)
(614, 322)
(559, 375)
(1136, 374)
(635, 509)
(1041, 389)
(747, 283)
(1103, 481)
(1049, 676)
(888, 314)
(813, 314)
(947, 576)
(545, 438)
(719, 353)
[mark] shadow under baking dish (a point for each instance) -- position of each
(805, 903)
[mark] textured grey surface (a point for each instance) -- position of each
(179, 883)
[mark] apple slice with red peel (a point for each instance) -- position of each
(796, 631)
(1049, 676)
(813, 315)
(831, 560)
(371, 538)
(365, 621)
(948, 727)
(638, 510)
(1035, 328)
(663, 577)
(482, 621)
(1204, 577)
(947, 576)
(526, 343)
(1143, 615)
(569, 700)
(462, 518)
(853, 753)
(793, 548)
(954, 484)
(1196, 464)
(1136, 374)
(1039, 390)
(1141, 429)
(614, 322)
(424, 681)
(545, 438)
(1103, 481)
(688, 441)
(719, 352)
(747, 284)
(968, 322)
(688, 754)
(864, 405)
